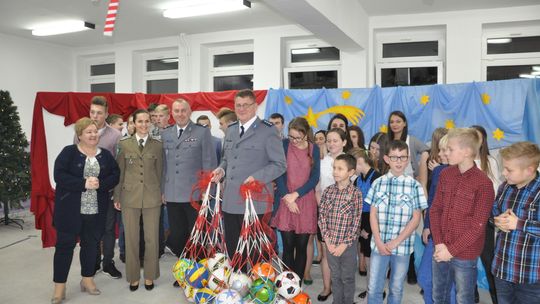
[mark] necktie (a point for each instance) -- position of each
(141, 144)
(241, 131)
(180, 133)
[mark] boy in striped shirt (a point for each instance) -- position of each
(516, 213)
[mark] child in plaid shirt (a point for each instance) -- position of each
(516, 212)
(339, 219)
(396, 203)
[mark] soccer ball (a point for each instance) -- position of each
(301, 298)
(240, 282)
(262, 291)
(197, 276)
(228, 296)
(218, 261)
(263, 270)
(179, 270)
(219, 278)
(190, 292)
(204, 295)
(288, 284)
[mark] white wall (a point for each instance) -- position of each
(463, 36)
(28, 66)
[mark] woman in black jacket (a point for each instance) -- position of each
(84, 175)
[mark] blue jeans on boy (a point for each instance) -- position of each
(425, 275)
(379, 268)
(460, 272)
(512, 293)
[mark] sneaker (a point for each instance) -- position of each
(123, 258)
(111, 270)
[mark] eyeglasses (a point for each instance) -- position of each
(292, 138)
(400, 158)
(243, 106)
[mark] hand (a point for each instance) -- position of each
(293, 207)
(339, 250)
(391, 245)
(439, 247)
(163, 199)
(217, 175)
(331, 248)
(364, 234)
(442, 255)
(507, 221)
(382, 248)
(249, 179)
(117, 206)
(291, 197)
(425, 235)
(498, 224)
(433, 164)
(91, 183)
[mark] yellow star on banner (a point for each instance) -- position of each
(288, 99)
(498, 134)
(486, 99)
(449, 124)
(346, 94)
(383, 128)
(424, 99)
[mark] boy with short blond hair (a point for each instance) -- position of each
(458, 217)
(397, 201)
(339, 219)
(516, 213)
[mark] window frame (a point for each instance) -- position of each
(509, 32)
(232, 70)
(287, 70)
(89, 80)
(410, 64)
(159, 75)
(304, 44)
(507, 62)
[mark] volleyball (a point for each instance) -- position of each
(197, 276)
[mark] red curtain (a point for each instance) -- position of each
(73, 106)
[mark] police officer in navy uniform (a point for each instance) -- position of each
(188, 150)
(252, 150)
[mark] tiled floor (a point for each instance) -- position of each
(26, 276)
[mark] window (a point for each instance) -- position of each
(510, 52)
(99, 73)
(407, 58)
(311, 64)
(160, 70)
(231, 67)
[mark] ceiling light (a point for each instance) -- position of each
(191, 8)
(527, 76)
(62, 27)
(536, 67)
(169, 60)
(306, 51)
(499, 40)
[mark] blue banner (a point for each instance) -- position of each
(509, 110)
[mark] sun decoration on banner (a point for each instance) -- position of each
(449, 124)
(346, 94)
(486, 99)
(288, 100)
(498, 134)
(383, 128)
(424, 99)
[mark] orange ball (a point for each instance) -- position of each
(263, 270)
(301, 298)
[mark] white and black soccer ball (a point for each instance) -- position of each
(218, 279)
(219, 260)
(240, 282)
(288, 284)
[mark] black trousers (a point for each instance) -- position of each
(90, 235)
(182, 218)
(109, 236)
(232, 224)
(487, 258)
(295, 251)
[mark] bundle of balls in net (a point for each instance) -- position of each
(255, 274)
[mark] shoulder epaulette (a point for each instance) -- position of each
(168, 127)
(198, 125)
(233, 123)
(125, 137)
(267, 123)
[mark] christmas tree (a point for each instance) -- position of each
(14, 157)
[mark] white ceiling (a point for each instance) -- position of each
(136, 19)
(142, 19)
(395, 7)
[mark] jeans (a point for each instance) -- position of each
(343, 271)
(379, 268)
(460, 272)
(425, 275)
(513, 293)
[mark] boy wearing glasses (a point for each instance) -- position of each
(397, 201)
(458, 217)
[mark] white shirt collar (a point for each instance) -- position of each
(247, 124)
(145, 139)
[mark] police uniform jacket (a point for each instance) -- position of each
(185, 157)
(258, 153)
(141, 171)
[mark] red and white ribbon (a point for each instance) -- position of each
(111, 18)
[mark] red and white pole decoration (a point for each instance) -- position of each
(111, 18)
